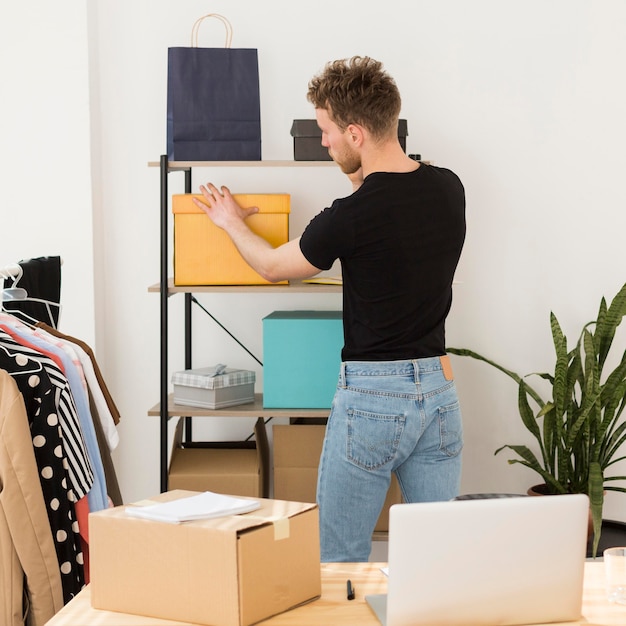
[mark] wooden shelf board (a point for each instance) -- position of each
(294, 286)
(185, 165)
(252, 409)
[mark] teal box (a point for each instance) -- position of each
(301, 358)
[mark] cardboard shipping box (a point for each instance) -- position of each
(228, 571)
(297, 450)
(204, 253)
(238, 468)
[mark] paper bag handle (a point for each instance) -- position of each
(196, 27)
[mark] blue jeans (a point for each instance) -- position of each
(392, 416)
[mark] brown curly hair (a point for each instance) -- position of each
(357, 91)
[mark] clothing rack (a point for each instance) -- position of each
(72, 452)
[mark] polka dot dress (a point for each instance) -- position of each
(79, 466)
(39, 398)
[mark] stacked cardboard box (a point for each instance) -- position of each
(297, 450)
(230, 467)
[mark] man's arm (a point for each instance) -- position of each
(273, 264)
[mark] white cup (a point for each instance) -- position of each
(615, 570)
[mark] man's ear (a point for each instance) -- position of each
(356, 134)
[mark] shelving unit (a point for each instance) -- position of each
(165, 408)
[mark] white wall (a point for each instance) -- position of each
(522, 99)
(45, 174)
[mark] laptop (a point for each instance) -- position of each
(504, 561)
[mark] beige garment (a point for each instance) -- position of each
(110, 476)
(29, 569)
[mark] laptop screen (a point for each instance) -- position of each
(488, 561)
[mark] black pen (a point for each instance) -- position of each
(350, 590)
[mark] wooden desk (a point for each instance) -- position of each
(334, 608)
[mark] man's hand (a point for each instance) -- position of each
(221, 207)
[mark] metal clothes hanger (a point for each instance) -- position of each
(15, 293)
(15, 356)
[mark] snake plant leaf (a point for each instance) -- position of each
(613, 400)
(547, 407)
(618, 438)
(582, 419)
(524, 452)
(609, 487)
(550, 440)
(610, 478)
(529, 459)
(545, 375)
(602, 336)
(614, 393)
(614, 389)
(528, 417)
(616, 378)
(596, 501)
(560, 370)
(609, 322)
(479, 357)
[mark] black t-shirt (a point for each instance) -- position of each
(399, 238)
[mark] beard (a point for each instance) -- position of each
(348, 160)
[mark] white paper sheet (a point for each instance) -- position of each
(205, 505)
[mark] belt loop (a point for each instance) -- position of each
(342, 375)
(416, 371)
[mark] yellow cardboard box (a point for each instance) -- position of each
(297, 450)
(229, 571)
(205, 255)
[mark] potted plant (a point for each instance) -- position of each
(581, 428)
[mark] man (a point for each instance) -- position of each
(399, 238)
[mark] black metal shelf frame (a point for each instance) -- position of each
(166, 167)
(164, 322)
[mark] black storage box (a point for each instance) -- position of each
(307, 140)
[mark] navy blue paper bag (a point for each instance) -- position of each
(213, 103)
